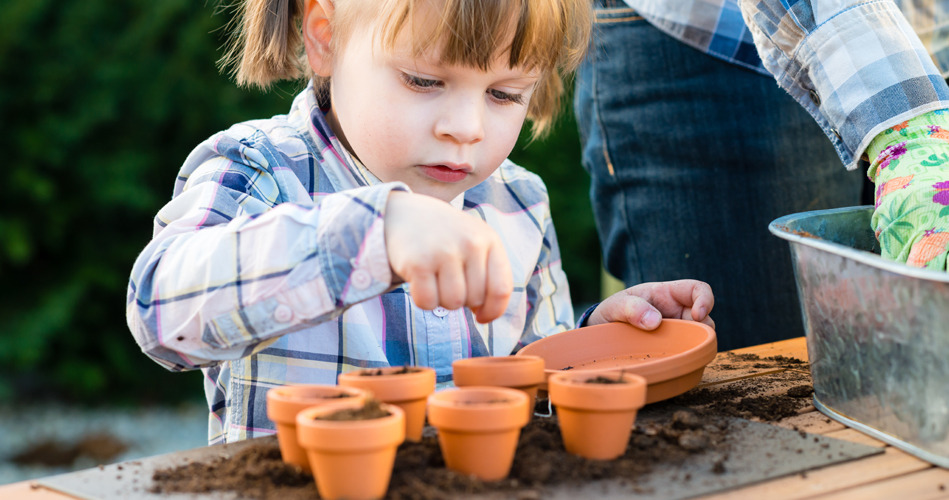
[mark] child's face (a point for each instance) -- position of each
(440, 129)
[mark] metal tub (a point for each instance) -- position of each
(877, 332)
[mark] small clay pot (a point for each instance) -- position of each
(524, 373)
(406, 390)
(283, 404)
(478, 428)
(596, 419)
(351, 459)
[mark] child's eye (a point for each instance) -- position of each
(506, 98)
(418, 83)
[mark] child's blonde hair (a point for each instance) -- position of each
(550, 36)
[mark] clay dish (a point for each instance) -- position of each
(671, 358)
(524, 373)
(284, 403)
(405, 390)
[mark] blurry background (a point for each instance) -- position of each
(100, 103)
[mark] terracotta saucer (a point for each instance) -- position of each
(671, 358)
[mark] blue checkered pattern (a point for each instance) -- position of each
(269, 267)
(856, 66)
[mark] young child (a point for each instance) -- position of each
(380, 225)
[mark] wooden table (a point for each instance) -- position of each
(893, 474)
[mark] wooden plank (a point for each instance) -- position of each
(855, 436)
(842, 477)
(932, 483)
(25, 490)
(795, 348)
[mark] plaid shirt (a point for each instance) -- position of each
(855, 65)
(269, 267)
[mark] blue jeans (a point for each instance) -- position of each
(690, 158)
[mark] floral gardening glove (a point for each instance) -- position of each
(911, 171)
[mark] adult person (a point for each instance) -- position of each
(693, 152)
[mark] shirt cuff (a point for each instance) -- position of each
(857, 73)
(582, 322)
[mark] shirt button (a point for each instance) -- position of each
(283, 314)
(815, 98)
(361, 279)
(836, 134)
(440, 311)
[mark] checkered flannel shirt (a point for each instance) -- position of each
(856, 66)
(269, 267)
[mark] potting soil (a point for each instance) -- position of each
(367, 411)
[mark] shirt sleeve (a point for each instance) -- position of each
(856, 66)
(550, 310)
(232, 266)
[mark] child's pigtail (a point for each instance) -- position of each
(266, 43)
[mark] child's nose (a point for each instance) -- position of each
(462, 121)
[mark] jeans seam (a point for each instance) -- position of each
(609, 162)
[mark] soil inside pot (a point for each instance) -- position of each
(370, 410)
(378, 373)
(600, 379)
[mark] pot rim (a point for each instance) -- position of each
(501, 371)
(349, 435)
(392, 388)
(285, 402)
(446, 411)
(569, 390)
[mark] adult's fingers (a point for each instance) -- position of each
(498, 284)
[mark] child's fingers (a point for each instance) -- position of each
(475, 278)
(498, 286)
(424, 289)
(451, 285)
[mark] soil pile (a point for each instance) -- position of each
(101, 448)
(258, 472)
(755, 398)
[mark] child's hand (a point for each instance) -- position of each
(447, 257)
(643, 306)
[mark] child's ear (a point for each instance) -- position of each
(317, 35)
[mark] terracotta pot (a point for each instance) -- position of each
(407, 391)
(478, 428)
(524, 373)
(672, 357)
(283, 404)
(596, 419)
(351, 459)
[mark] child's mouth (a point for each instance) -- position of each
(446, 173)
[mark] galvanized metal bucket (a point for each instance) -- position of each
(877, 332)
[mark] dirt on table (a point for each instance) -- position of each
(101, 447)
(767, 398)
(257, 472)
(541, 461)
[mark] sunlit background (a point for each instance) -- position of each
(100, 102)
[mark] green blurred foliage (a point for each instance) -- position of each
(100, 102)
